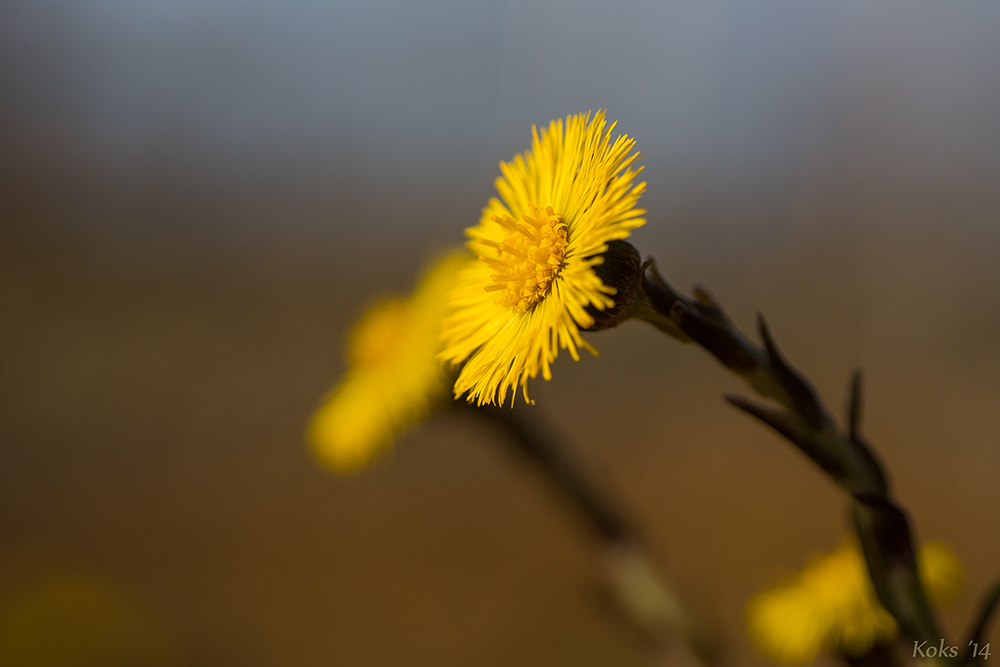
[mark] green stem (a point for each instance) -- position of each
(803, 419)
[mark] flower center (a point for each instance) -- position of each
(530, 258)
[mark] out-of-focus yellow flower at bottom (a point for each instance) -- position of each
(77, 620)
(831, 605)
(393, 376)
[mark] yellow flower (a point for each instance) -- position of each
(394, 375)
(831, 605)
(527, 296)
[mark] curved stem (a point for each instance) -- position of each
(802, 418)
(641, 591)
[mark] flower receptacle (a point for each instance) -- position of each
(621, 269)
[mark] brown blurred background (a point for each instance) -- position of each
(197, 198)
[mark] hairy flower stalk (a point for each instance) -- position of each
(800, 416)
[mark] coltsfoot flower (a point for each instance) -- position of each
(831, 605)
(529, 293)
(393, 377)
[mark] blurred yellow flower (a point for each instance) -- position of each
(71, 619)
(526, 297)
(393, 376)
(831, 605)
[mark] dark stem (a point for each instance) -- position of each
(801, 417)
(989, 605)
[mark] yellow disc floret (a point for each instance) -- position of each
(531, 256)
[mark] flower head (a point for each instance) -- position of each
(393, 377)
(529, 293)
(831, 605)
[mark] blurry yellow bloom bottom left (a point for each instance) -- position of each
(393, 373)
(76, 620)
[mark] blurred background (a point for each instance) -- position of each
(197, 199)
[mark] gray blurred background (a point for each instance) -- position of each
(197, 198)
